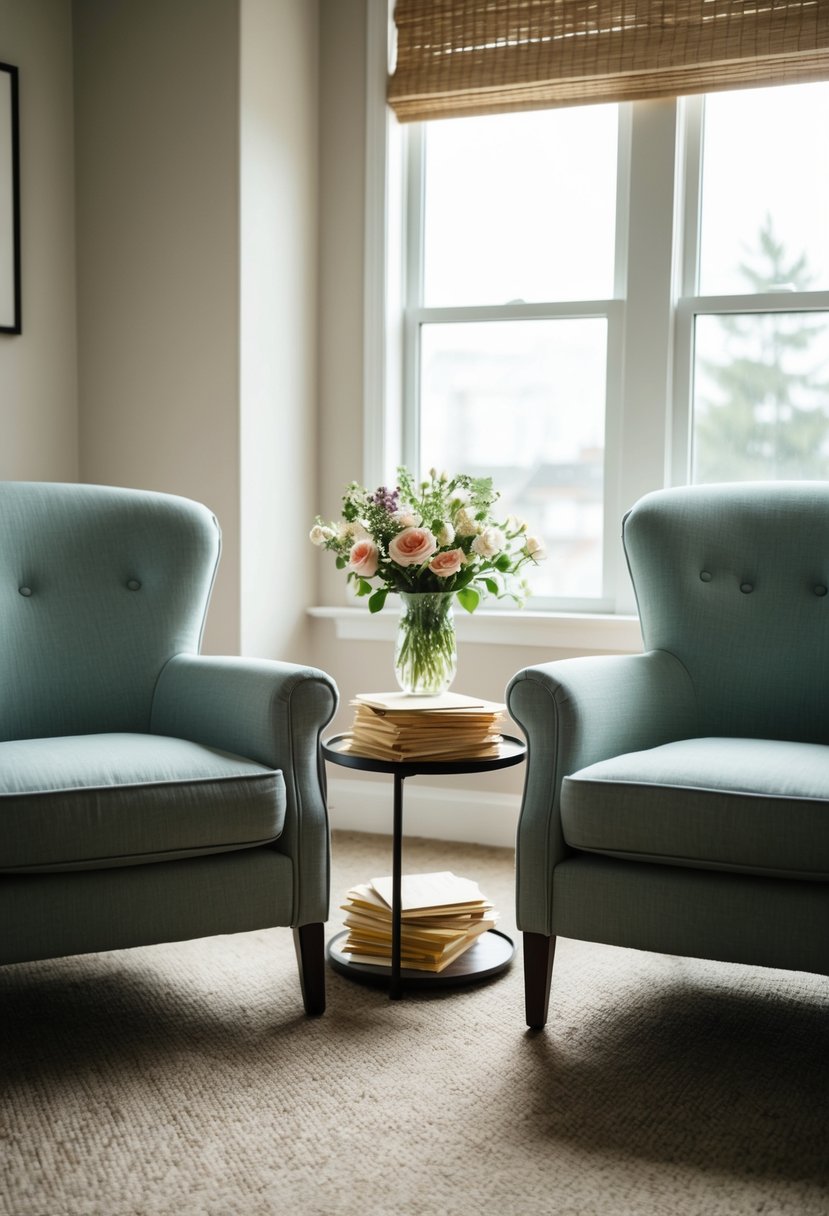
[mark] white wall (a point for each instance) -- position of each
(38, 375)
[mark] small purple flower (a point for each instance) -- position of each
(387, 499)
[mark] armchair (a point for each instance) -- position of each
(678, 800)
(148, 793)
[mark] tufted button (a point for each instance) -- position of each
(705, 576)
(133, 584)
(746, 588)
(27, 591)
(820, 589)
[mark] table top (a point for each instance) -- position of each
(512, 751)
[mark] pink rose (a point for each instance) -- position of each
(363, 558)
(445, 564)
(412, 547)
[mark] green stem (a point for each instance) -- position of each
(426, 655)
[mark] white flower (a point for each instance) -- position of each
(320, 534)
(446, 534)
(406, 518)
(460, 496)
(489, 543)
(465, 523)
(350, 531)
(534, 549)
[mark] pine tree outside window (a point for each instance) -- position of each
(760, 402)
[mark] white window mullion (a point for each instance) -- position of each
(767, 301)
(613, 566)
(411, 392)
(691, 110)
(614, 573)
(415, 195)
(623, 154)
(562, 310)
(689, 197)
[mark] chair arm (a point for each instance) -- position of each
(575, 712)
(273, 713)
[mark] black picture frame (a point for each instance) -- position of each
(10, 303)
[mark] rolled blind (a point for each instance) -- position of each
(459, 57)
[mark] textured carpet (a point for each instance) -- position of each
(183, 1079)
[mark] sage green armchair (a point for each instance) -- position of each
(678, 800)
(147, 793)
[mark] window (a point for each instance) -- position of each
(602, 300)
(510, 307)
(760, 401)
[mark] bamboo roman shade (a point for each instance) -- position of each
(459, 57)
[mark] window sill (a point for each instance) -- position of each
(551, 630)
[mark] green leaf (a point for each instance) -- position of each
(491, 586)
(364, 587)
(502, 563)
(378, 600)
(341, 563)
(469, 598)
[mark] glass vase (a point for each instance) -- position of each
(425, 655)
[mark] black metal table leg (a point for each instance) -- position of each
(491, 953)
(395, 985)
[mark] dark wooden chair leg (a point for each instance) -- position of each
(309, 943)
(539, 952)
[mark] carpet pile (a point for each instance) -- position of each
(184, 1080)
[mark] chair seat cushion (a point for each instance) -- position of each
(755, 805)
(95, 801)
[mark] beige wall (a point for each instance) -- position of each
(197, 249)
(157, 151)
(38, 376)
(279, 299)
(191, 134)
(342, 194)
(354, 665)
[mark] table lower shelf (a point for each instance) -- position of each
(491, 954)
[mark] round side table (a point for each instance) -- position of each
(493, 951)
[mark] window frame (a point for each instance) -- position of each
(416, 315)
(392, 277)
(651, 316)
(690, 304)
(640, 339)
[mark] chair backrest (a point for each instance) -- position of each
(99, 587)
(733, 579)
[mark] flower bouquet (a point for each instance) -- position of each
(431, 543)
